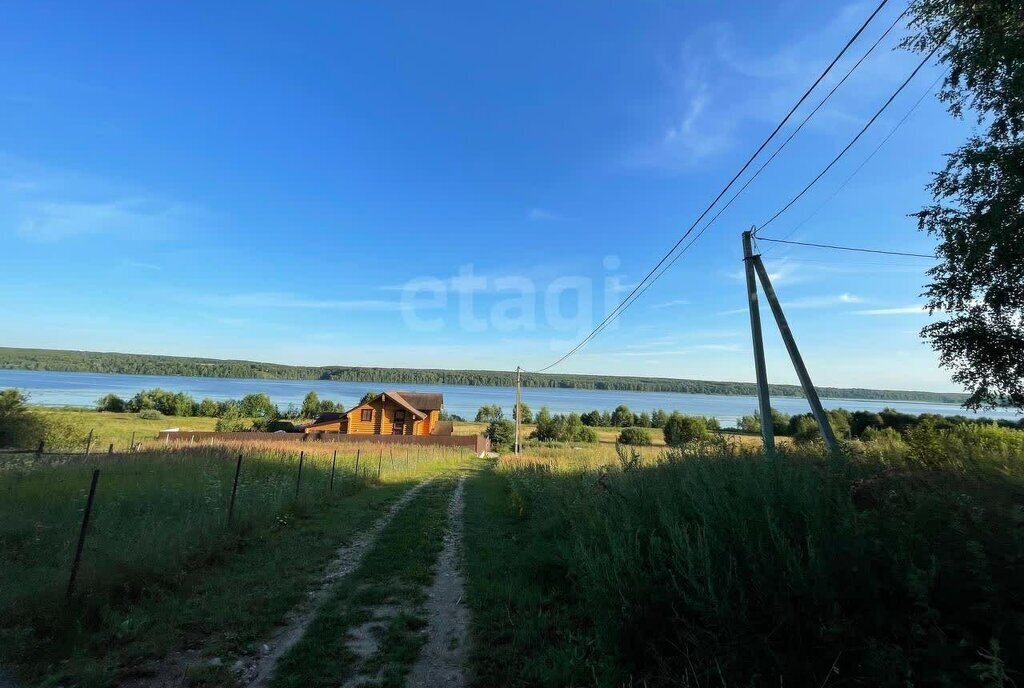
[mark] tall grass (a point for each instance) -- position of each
(701, 570)
(159, 508)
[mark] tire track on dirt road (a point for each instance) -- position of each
(443, 658)
(256, 671)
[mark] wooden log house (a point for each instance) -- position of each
(389, 413)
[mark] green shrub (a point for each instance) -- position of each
(720, 570)
(208, 408)
(637, 437)
(150, 414)
(682, 430)
(232, 421)
(502, 434)
(562, 428)
(257, 406)
(167, 403)
(488, 413)
(20, 426)
(111, 403)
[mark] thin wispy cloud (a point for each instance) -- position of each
(140, 265)
(717, 88)
(779, 271)
(671, 304)
(899, 310)
(286, 300)
(823, 301)
(677, 351)
(48, 205)
(542, 215)
(137, 218)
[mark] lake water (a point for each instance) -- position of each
(82, 389)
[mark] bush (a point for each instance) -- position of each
(20, 426)
(208, 408)
(273, 425)
(150, 414)
(111, 403)
(489, 413)
(232, 421)
(257, 406)
(502, 434)
(682, 430)
(561, 428)
(637, 437)
(622, 416)
(527, 413)
(783, 570)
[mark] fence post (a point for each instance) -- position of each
(131, 446)
(298, 480)
(334, 465)
(234, 490)
(356, 471)
(81, 533)
(110, 449)
(88, 442)
(379, 460)
(39, 452)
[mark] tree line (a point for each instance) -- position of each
(864, 424)
(145, 364)
(621, 417)
(253, 411)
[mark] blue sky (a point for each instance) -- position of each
(294, 184)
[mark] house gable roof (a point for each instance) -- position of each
(396, 397)
(424, 401)
(401, 401)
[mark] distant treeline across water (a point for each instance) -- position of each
(145, 364)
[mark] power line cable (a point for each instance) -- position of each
(849, 248)
(615, 312)
(854, 140)
(765, 164)
(866, 160)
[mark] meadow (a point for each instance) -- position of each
(161, 559)
(898, 563)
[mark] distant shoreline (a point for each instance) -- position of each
(62, 360)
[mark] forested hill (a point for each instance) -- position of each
(144, 364)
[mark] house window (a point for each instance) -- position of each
(400, 415)
(366, 415)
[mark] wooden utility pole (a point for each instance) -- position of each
(519, 410)
(798, 361)
(760, 371)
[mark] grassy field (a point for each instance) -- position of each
(115, 428)
(897, 564)
(161, 562)
(694, 570)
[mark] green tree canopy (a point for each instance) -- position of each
(502, 434)
(111, 403)
(257, 406)
(369, 396)
(489, 413)
(622, 417)
(637, 437)
(527, 413)
(681, 430)
(977, 213)
(310, 405)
